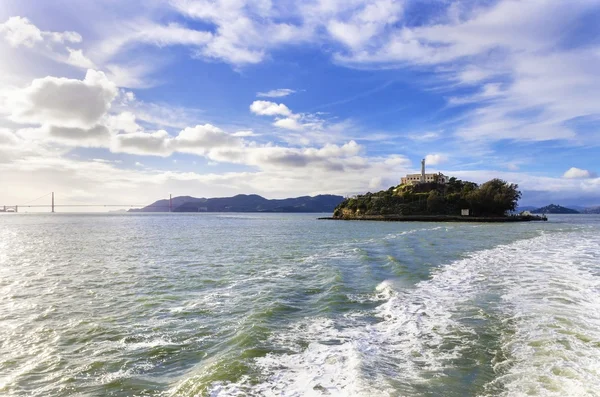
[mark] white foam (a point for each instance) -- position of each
(550, 339)
(330, 365)
(553, 299)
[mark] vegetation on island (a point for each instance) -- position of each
(244, 203)
(554, 209)
(491, 199)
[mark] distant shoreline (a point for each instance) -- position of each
(440, 218)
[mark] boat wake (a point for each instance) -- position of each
(518, 319)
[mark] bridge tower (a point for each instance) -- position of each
(170, 203)
(52, 202)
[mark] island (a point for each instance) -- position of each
(435, 198)
(244, 203)
(554, 209)
(591, 210)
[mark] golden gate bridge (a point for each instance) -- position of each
(52, 206)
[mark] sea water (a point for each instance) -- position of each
(286, 305)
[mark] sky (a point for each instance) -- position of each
(126, 102)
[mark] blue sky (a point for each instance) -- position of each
(129, 101)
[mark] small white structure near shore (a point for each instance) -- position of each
(414, 179)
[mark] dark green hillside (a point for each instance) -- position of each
(246, 203)
(493, 198)
(554, 209)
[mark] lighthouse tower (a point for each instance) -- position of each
(423, 171)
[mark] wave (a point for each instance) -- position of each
(517, 319)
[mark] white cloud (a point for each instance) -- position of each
(19, 31)
(7, 137)
(435, 159)
(76, 58)
(97, 136)
(266, 108)
(281, 92)
(148, 32)
(578, 173)
(243, 134)
(143, 143)
(368, 20)
(64, 102)
(289, 123)
(99, 180)
(245, 30)
(202, 138)
(123, 122)
(532, 85)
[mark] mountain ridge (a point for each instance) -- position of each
(245, 203)
(554, 209)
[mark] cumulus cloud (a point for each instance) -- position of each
(285, 118)
(219, 146)
(97, 136)
(289, 123)
(435, 159)
(123, 122)
(268, 157)
(281, 92)
(19, 31)
(76, 58)
(64, 102)
(267, 108)
(77, 113)
(578, 173)
(143, 143)
(202, 138)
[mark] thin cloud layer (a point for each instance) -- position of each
(278, 93)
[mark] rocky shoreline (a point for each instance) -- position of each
(439, 218)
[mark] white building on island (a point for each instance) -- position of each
(414, 179)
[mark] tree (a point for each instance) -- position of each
(435, 203)
(496, 197)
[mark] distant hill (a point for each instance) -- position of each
(246, 203)
(554, 209)
(591, 210)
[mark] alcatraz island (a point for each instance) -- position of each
(436, 197)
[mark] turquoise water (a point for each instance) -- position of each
(285, 305)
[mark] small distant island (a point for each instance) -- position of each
(554, 209)
(244, 203)
(436, 197)
(591, 210)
